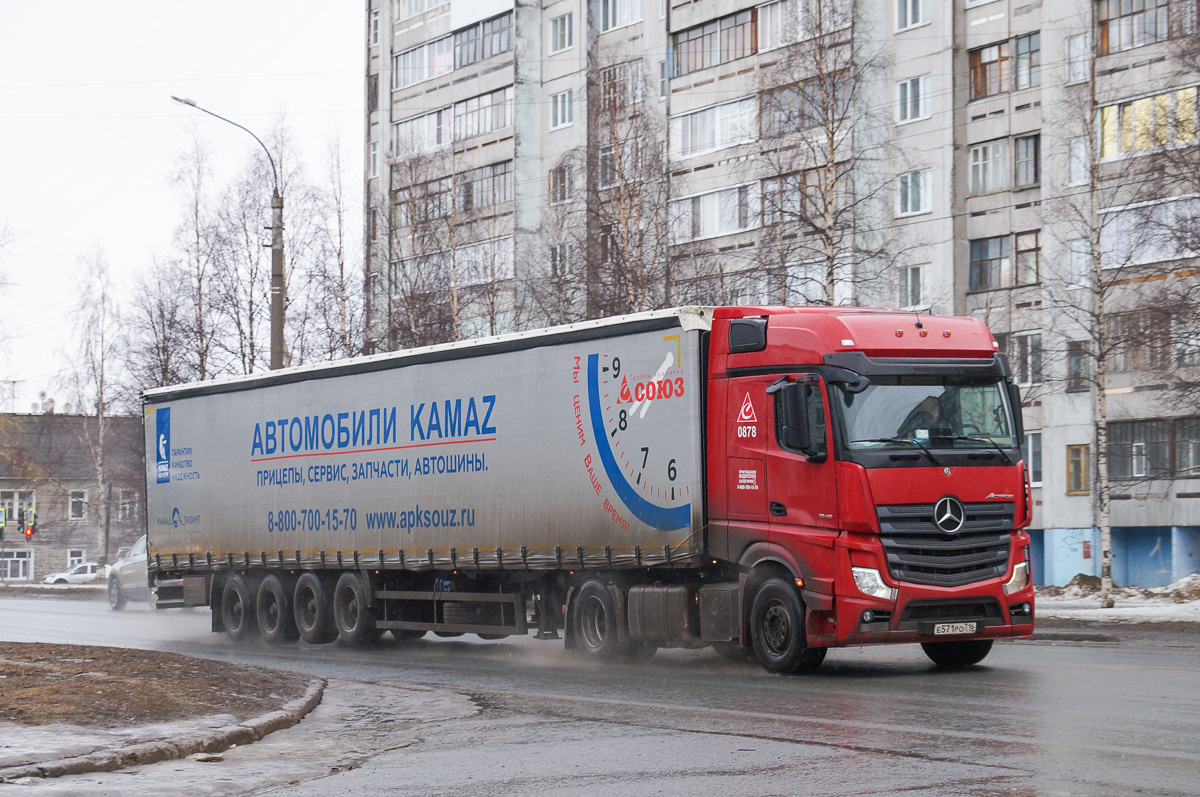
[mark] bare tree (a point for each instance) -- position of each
(196, 240)
(156, 326)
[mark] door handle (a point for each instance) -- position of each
(778, 509)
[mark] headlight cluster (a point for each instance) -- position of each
(870, 582)
(1019, 580)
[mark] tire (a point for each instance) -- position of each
(955, 655)
(313, 610)
(596, 623)
(116, 597)
(276, 620)
(354, 618)
(777, 630)
(237, 609)
(60, 581)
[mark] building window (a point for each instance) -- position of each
(988, 70)
(1187, 447)
(1028, 158)
(127, 505)
(911, 294)
(1078, 366)
(562, 109)
(714, 43)
(16, 565)
(989, 167)
(374, 27)
(1148, 123)
(483, 114)
(803, 105)
(914, 193)
(1028, 49)
(1079, 59)
(410, 8)
(910, 13)
(485, 186)
(13, 502)
(1078, 165)
(1079, 466)
(1125, 24)
(422, 63)
(621, 85)
(1033, 458)
(1026, 357)
(1029, 257)
(560, 260)
(1138, 449)
(373, 159)
(912, 95)
(803, 195)
(710, 129)
(722, 212)
(420, 134)
(1079, 263)
(560, 185)
(1138, 340)
(75, 556)
(483, 40)
(619, 13)
(77, 505)
(562, 33)
(989, 266)
(423, 203)
(777, 24)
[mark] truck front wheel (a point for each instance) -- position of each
(313, 610)
(777, 630)
(276, 620)
(355, 621)
(237, 609)
(953, 655)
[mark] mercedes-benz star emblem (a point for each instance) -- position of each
(949, 514)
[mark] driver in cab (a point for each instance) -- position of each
(922, 420)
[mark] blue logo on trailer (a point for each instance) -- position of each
(162, 443)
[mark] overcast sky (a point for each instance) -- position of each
(89, 136)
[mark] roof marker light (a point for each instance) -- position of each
(899, 333)
(946, 334)
(924, 333)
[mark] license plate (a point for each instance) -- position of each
(952, 629)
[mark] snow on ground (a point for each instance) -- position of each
(1080, 600)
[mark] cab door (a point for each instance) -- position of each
(803, 488)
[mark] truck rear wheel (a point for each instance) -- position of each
(237, 609)
(313, 610)
(777, 630)
(354, 618)
(953, 655)
(276, 620)
(598, 628)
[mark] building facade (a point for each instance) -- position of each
(532, 162)
(84, 486)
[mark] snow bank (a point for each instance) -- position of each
(1080, 600)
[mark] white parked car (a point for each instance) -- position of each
(79, 574)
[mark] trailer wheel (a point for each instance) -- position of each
(116, 598)
(312, 610)
(777, 630)
(596, 622)
(355, 621)
(237, 609)
(276, 620)
(953, 655)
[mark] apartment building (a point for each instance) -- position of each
(1027, 162)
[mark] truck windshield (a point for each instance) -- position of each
(925, 412)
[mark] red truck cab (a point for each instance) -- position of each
(875, 456)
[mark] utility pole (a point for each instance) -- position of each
(278, 288)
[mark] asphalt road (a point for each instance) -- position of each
(1075, 713)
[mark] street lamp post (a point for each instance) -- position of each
(278, 288)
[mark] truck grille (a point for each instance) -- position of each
(918, 552)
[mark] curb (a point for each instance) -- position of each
(252, 730)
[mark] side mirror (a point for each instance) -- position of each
(1014, 400)
(794, 428)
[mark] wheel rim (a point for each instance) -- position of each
(270, 617)
(308, 608)
(776, 628)
(593, 623)
(237, 612)
(114, 593)
(349, 612)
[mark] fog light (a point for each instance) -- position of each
(869, 582)
(868, 616)
(1019, 580)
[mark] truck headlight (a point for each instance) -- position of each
(1019, 580)
(869, 582)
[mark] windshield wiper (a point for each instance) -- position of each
(1003, 453)
(911, 440)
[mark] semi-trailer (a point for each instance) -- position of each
(772, 481)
